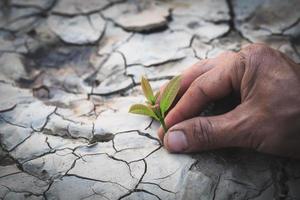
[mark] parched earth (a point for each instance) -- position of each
(70, 69)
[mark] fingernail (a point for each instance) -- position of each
(177, 141)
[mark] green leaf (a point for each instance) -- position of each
(142, 110)
(169, 94)
(148, 92)
(156, 96)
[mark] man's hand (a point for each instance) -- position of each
(268, 118)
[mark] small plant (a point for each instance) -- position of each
(153, 108)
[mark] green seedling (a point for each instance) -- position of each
(153, 108)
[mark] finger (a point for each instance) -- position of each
(212, 85)
(190, 74)
(205, 133)
(187, 77)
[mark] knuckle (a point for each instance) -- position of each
(229, 57)
(202, 62)
(202, 133)
(228, 54)
(197, 88)
(205, 64)
(256, 51)
(256, 58)
(257, 47)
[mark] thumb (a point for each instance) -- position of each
(205, 133)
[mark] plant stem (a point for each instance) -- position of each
(162, 121)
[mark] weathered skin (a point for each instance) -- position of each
(267, 119)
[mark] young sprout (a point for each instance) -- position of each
(153, 108)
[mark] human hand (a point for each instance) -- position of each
(267, 119)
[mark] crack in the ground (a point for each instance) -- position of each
(119, 91)
(28, 5)
(12, 123)
(167, 176)
(150, 137)
(160, 187)
(95, 194)
(280, 178)
(139, 190)
(149, 125)
(133, 84)
(54, 177)
(66, 118)
(159, 28)
(95, 28)
(20, 192)
(215, 188)
(144, 173)
(41, 129)
(94, 11)
(34, 130)
(295, 49)
(244, 184)
(77, 137)
(20, 143)
(267, 186)
(51, 151)
(24, 17)
(15, 161)
(116, 47)
(22, 171)
(141, 134)
(171, 60)
(231, 14)
(96, 180)
(8, 109)
(94, 82)
(231, 22)
(73, 165)
(48, 188)
(149, 154)
(108, 155)
(114, 146)
(292, 25)
(40, 15)
(6, 175)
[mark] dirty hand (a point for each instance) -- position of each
(267, 119)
